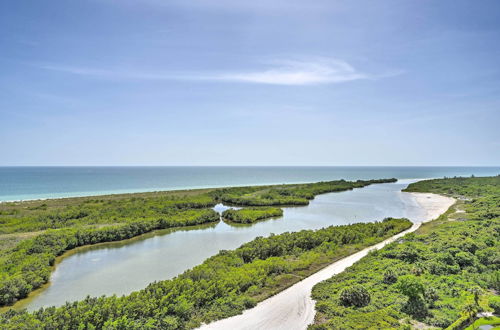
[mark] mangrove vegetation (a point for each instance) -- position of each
(34, 233)
(289, 195)
(222, 286)
(440, 276)
(251, 214)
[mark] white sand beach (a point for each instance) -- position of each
(293, 308)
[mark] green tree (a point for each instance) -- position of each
(412, 287)
(355, 296)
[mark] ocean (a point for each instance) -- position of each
(25, 183)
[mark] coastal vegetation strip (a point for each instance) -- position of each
(439, 276)
(222, 286)
(292, 194)
(32, 216)
(64, 213)
(34, 233)
(251, 214)
(28, 265)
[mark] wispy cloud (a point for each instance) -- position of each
(281, 72)
(292, 72)
(111, 74)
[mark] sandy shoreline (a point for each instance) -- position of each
(293, 308)
(433, 204)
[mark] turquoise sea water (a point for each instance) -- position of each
(21, 183)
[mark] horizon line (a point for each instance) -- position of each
(491, 166)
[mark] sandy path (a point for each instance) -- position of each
(293, 308)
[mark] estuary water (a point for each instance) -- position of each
(21, 183)
(123, 267)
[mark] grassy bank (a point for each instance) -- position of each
(440, 276)
(34, 233)
(251, 214)
(224, 285)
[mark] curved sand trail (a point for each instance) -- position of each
(293, 308)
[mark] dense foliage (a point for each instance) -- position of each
(28, 265)
(223, 285)
(442, 275)
(354, 296)
(292, 194)
(251, 214)
(112, 209)
(33, 233)
(69, 212)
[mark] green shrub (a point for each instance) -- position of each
(390, 277)
(253, 214)
(494, 302)
(354, 296)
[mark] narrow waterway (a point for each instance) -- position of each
(123, 267)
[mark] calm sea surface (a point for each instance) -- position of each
(21, 183)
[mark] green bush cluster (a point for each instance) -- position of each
(494, 303)
(251, 214)
(223, 285)
(91, 220)
(292, 194)
(441, 275)
(68, 212)
(354, 296)
(64, 213)
(28, 265)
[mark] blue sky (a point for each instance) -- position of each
(225, 82)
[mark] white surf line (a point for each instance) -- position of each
(293, 308)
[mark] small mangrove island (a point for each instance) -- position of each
(251, 214)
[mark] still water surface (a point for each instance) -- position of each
(123, 267)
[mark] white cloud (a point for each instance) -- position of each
(283, 72)
(324, 71)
